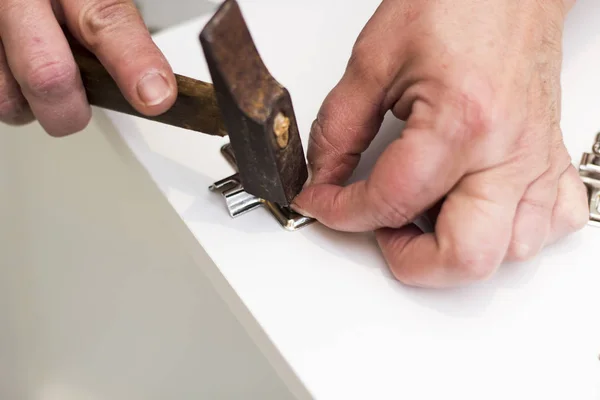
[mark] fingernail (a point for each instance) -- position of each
(300, 211)
(153, 89)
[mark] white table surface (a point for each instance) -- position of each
(326, 299)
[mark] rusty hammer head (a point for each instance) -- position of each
(256, 110)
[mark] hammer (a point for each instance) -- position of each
(244, 102)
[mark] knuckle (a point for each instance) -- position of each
(390, 213)
(572, 211)
(467, 108)
(51, 79)
(101, 16)
(321, 143)
(472, 115)
(403, 276)
(475, 263)
(576, 218)
(325, 155)
(579, 219)
(367, 64)
(522, 252)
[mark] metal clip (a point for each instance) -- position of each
(239, 201)
(589, 171)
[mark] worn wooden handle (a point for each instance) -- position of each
(196, 107)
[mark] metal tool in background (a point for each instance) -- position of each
(589, 171)
(244, 102)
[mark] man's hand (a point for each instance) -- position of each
(39, 77)
(478, 84)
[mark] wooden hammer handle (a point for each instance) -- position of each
(196, 106)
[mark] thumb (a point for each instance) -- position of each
(347, 122)
(116, 33)
(352, 113)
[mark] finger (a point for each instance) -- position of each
(410, 176)
(352, 113)
(115, 32)
(533, 219)
(571, 211)
(41, 62)
(14, 109)
(346, 124)
(471, 237)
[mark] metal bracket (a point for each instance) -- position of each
(239, 201)
(589, 171)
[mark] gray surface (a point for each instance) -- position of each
(160, 14)
(104, 294)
